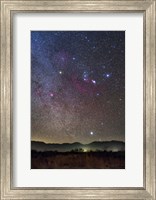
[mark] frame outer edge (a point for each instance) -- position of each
(150, 101)
(153, 89)
(6, 192)
(2, 99)
(5, 101)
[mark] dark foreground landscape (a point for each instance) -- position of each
(77, 160)
(95, 155)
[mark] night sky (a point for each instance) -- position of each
(77, 86)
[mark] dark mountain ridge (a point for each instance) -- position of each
(113, 146)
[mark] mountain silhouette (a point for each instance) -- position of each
(113, 146)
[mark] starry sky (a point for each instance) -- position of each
(77, 86)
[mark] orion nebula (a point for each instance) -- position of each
(77, 86)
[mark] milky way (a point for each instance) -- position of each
(77, 86)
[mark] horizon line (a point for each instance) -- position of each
(79, 142)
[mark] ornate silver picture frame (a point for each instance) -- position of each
(8, 9)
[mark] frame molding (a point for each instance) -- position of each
(8, 8)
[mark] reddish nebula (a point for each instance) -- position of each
(86, 87)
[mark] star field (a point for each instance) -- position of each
(77, 86)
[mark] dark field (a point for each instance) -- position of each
(77, 160)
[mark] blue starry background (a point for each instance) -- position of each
(77, 86)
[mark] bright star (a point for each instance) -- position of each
(85, 76)
(91, 133)
(107, 75)
(85, 79)
(60, 72)
(93, 81)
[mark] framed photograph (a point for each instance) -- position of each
(74, 81)
(78, 99)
